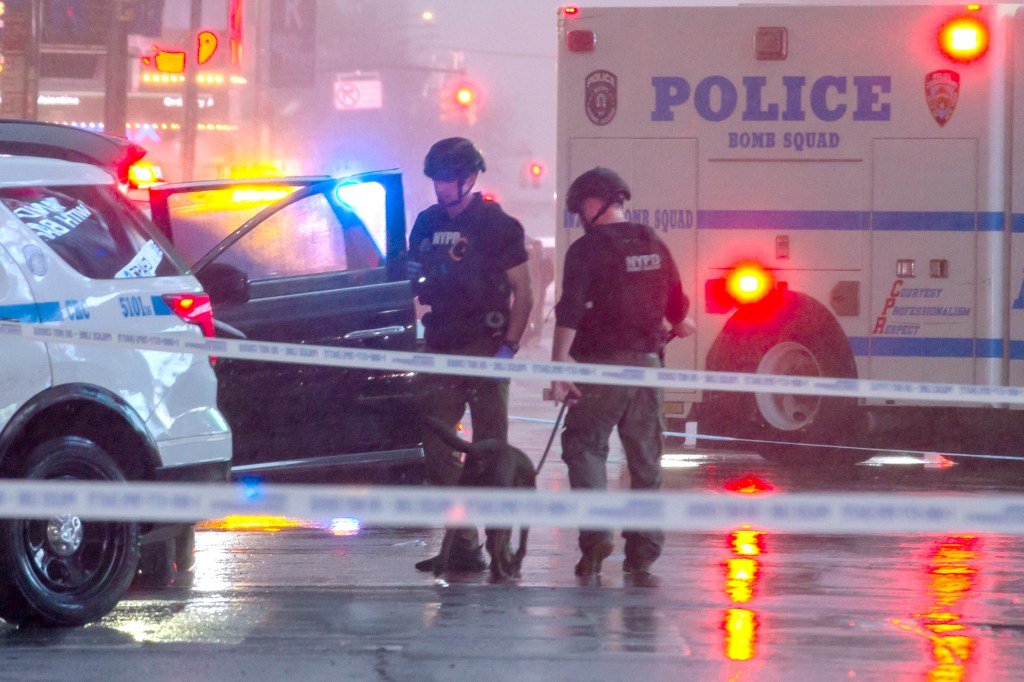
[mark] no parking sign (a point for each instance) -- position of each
(358, 91)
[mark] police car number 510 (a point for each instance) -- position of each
(134, 306)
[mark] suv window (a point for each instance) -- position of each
(307, 237)
(203, 219)
(94, 229)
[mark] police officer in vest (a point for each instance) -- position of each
(619, 284)
(468, 262)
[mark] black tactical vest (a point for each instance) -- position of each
(467, 290)
(630, 298)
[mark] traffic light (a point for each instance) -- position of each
(460, 101)
(533, 173)
(75, 22)
(536, 171)
(147, 18)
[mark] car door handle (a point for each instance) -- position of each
(362, 334)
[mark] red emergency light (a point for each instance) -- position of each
(748, 282)
(964, 39)
(745, 283)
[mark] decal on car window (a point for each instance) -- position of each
(145, 262)
(49, 218)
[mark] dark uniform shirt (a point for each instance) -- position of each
(620, 281)
(465, 259)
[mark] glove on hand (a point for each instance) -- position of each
(505, 352)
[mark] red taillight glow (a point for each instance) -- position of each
(964, 39)
(570, 10)
(194, 309)
(748, 282)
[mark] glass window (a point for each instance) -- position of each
(307, 237)
(94, 229)
(368, 200)
(201, 220)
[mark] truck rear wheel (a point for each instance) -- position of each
(787, 428)
(63, 570)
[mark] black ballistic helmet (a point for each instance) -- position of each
(600, 183)
(453, 158)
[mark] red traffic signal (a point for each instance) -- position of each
(460, 101)
(533, 172)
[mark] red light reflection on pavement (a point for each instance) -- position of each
(742, 574)
(952, 570)
(748, 485)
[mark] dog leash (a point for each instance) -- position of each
(558, 420)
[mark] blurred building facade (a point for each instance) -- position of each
(278, 86)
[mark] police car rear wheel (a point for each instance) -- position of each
(63, 570)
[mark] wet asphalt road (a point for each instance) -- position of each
(307, 603)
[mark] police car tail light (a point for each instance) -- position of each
(964, 39)
(194, 309)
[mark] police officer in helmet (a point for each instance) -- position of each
(619, 284)
(468, 262)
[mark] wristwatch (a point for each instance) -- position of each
(514, 345)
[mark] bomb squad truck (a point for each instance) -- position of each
(842, 189)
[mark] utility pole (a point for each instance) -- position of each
(190, 98)
(19, 81)
(115, 103)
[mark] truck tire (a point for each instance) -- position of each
(800, 339)
(62, 570)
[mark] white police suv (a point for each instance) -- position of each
(75, 253)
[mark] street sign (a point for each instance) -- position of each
(358, 92)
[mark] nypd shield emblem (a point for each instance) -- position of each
(941, 90)
(602, 97)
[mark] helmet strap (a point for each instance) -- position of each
(463, 191)
(588, 224)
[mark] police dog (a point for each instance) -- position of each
(489, 463)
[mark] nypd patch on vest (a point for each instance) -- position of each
(643, 263)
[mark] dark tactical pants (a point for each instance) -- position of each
(488, 406)
(638, 414)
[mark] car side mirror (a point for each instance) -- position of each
(225, 284)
